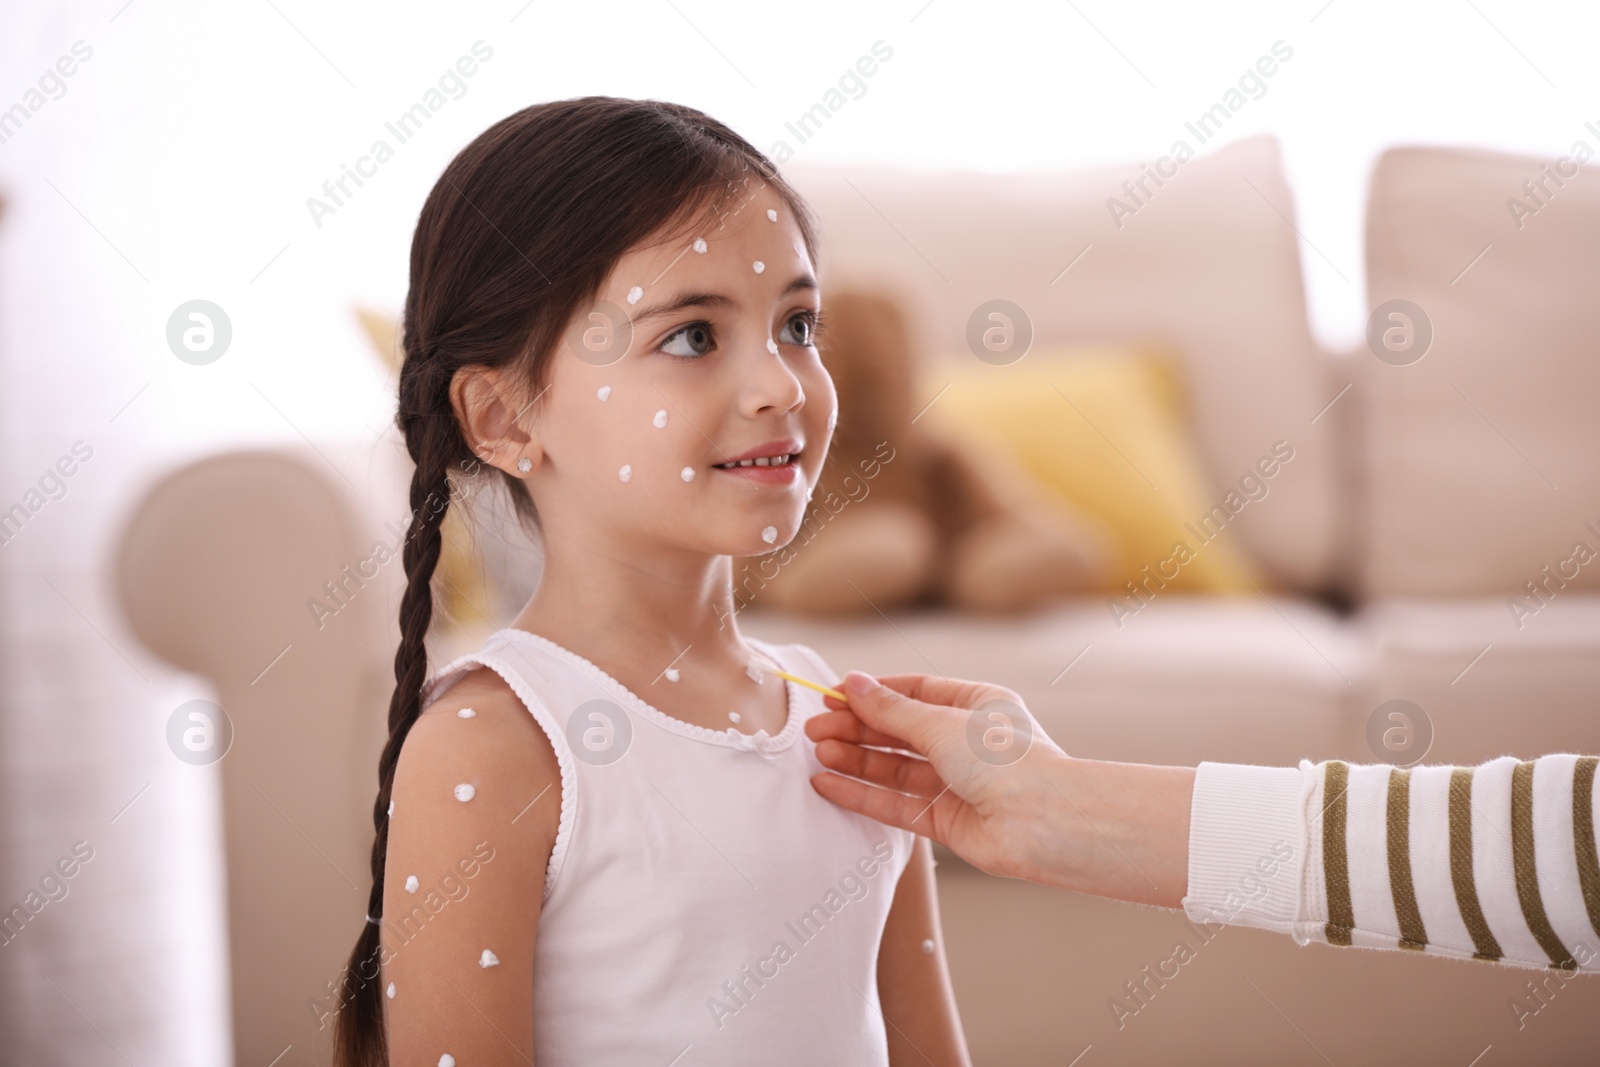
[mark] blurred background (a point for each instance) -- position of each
(1237, 363)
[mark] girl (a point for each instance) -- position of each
(596, 838)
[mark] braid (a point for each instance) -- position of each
(430, 441)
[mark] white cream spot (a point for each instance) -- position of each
(772, 216)
(391, 807)
(700, 244)
(467, 713)
(687, 474)
(626, 472)
(488, 959)
(927, 945)
(390, 991)
(660, 420)
(769, 534)
(411, 883)
(634, 294)
(733, 716)
(447, 1060)
(465, 792)
(672, 674)
(604, 393)
(772, 346)
(758, 266)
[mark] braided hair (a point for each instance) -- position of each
(519, 234)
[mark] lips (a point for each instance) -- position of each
(759, 461)
(770, 454)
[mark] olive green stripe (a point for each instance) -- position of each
(1583, 836)
(1527, 870)
(1335, 860)
(1461, 876)
(1413, 935)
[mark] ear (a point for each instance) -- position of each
(496, 419)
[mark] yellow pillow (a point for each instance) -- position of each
(1104, 429)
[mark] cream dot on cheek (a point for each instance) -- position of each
(604, 393)
(758, 266)
(411, 883)
(769, 534)
(488, 959)
(390, 990)
(634, 294)
(772, 216)
(447, 1060)
(626, 472)
(672, 674)
(927, 945)
(660, 421)
(687, 474)
(700, 245)
(465, 792)
(772, 346)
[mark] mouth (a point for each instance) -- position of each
(775, 462)
(782, 460)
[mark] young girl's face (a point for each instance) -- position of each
(697, 358)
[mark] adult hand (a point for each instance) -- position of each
(968, 766)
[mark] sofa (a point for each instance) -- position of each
(1435, 541)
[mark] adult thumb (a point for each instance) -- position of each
(887, 710)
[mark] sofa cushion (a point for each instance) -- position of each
(1479, 457)
(1208, 266)
(1491, 681)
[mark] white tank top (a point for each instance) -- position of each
(703, 904)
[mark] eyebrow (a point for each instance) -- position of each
(803, 282)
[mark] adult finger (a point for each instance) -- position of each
(893, 713)
(905, 774)
(884, 805)
(846, 726)
(951, 692)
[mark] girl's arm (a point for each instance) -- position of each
(919, 1006)
(459, 948)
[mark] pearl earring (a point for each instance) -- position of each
(524, 464)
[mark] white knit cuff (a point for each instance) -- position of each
(1246, 846)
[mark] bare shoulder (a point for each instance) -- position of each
(477, 799)
(477, 755)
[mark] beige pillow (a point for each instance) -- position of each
(1481, 459)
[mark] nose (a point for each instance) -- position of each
(771, 387)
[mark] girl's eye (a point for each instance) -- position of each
(698, 337)
(807, 331)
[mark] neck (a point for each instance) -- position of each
(609, 602)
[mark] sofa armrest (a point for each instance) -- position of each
(218, 571)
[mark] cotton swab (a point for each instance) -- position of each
(819, 687)
(755, 661)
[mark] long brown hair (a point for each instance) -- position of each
(519, 234)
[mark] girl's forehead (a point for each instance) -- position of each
(736, 241)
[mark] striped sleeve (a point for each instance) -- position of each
(1494, 862)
